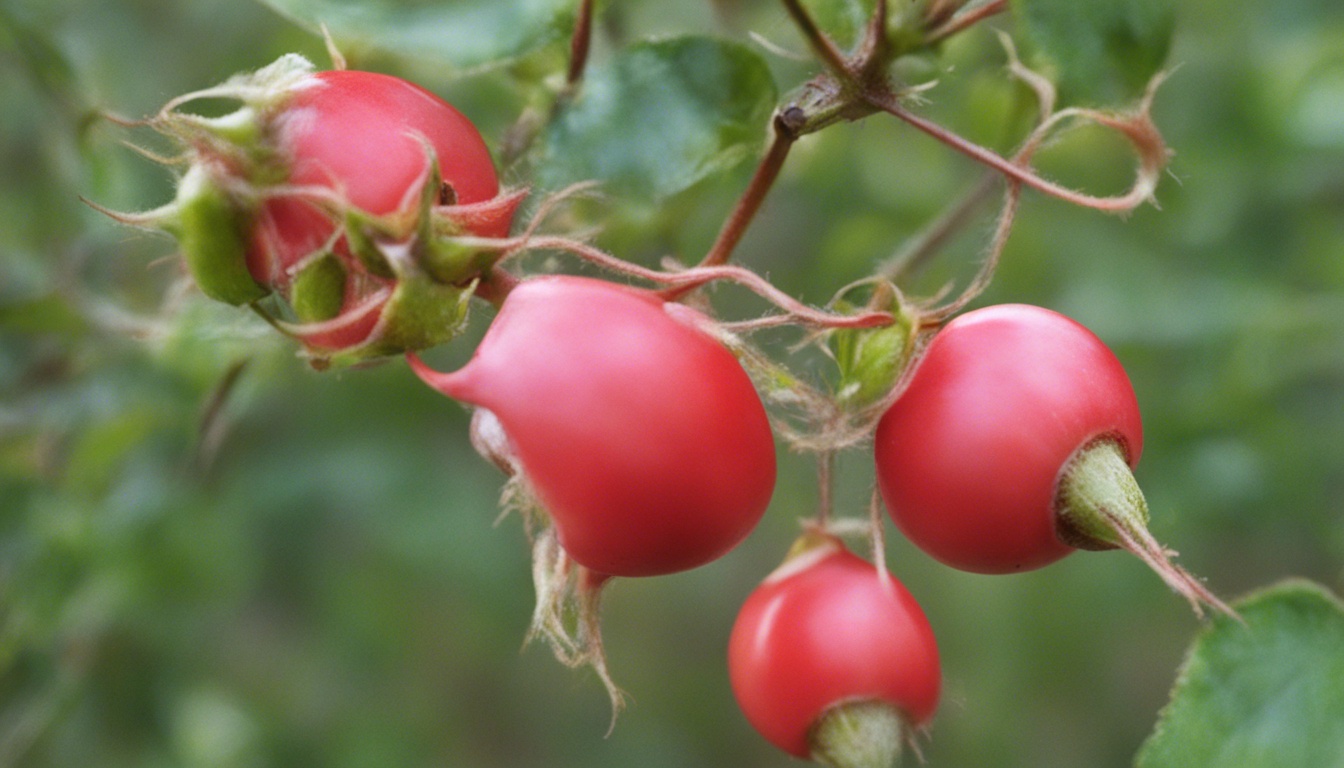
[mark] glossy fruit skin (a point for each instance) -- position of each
(641, 435)
(827, 628)
(969, 457)
(363, 134)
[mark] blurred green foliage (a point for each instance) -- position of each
(213, 556)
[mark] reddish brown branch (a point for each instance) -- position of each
(580, 43)
(821, 45)
(737, 222)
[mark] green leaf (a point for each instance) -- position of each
(461, 34)
(1266, 695)
(844, 20)
(1103, 51)
(659, 117)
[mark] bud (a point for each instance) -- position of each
(871, 360)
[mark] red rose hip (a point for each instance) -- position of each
(1014, 444)
(829, 646)
(640, 434)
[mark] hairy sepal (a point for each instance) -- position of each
(210, 225)
(859, 734)
(239, 139)
(1098, 505)
(872, 360)
(413, 314)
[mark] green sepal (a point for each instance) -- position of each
(383, 251)
(236, 140)
(362, 235)
(858, 734)
(434, 249)
(240, 138)
(267, 88)
(423, 313)
(420, 314)
(871, 360)
(448, 261)
(241, 127)
(1096, 494)
(319, 289)
(211, 228)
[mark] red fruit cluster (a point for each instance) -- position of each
(627, 418)
(1011, 445)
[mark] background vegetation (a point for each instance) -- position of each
(308, 572)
